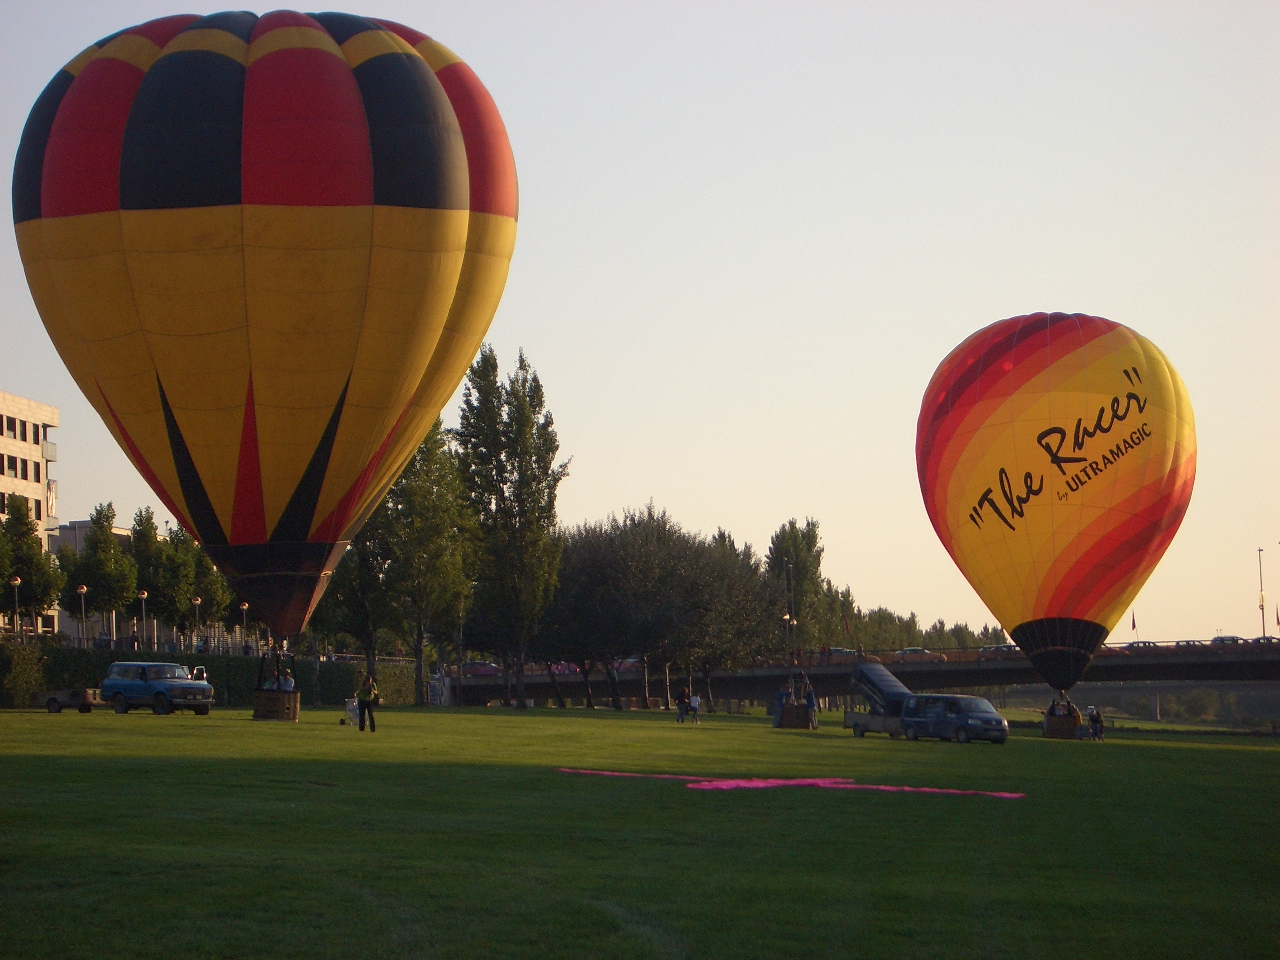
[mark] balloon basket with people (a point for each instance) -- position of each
(1062, 718)
(275, 696)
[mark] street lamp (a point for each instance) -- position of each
(1262, 597)
(244, 623)
(142, 595)
(195, 602)
(17, 623)
(82, 590)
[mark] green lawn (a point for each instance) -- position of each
(450, 834)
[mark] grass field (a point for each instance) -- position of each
(451, 834)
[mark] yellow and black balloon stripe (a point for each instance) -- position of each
(245, 236)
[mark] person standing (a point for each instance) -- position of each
(682, 704)
(811, 705)
(779, 701)
(694, 703)
(1095, 724)
(367, 697)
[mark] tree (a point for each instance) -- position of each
(796, 552)
(41, 577)
(103, 566)
(147, 550)
(432, 545)
(507, 449)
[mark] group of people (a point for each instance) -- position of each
(687, 706)
(282, 681)
(783, 697)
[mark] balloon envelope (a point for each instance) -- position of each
(267, 249)
(1056, 455)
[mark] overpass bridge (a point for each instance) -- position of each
(963, 669)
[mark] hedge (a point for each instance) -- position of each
(25, 669)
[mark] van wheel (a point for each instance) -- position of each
(911, 733)
(859, 732)
(160, 706)
(53, 706)
(119, 703)
(962, 735)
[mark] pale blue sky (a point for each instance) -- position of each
(749, 232)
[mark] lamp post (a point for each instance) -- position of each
(1262, 597)
(82, 590)
(195, 602)
(17, 622)
(244, 623)
(142, 595)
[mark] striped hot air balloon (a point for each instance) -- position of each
(1056, 455)
(267, 249)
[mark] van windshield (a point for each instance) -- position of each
(975, 705)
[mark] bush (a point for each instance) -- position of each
(20, 674)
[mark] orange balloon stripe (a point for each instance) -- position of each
(1004, 365)
(1119, 556)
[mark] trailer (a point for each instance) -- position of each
(84, 699)
(886, 694)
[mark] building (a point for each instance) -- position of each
(25, 454)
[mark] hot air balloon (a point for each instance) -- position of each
(267, 249)
(1056, 455)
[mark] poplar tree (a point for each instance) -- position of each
(507, 449)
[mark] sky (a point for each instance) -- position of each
(749, 233)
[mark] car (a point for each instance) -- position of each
(480, 668)
(953, 718)
(1142, 646)
(1189, 646)
(918, 655)
(1227, 641)
(164, 687)
(1264, 640)
(999, 651)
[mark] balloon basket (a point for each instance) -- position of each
(276, 705)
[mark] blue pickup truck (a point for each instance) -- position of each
(164, 687)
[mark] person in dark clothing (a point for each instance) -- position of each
(779, 701)
(1095, 724)
(367, 697)
(682, 705)
(811, 705)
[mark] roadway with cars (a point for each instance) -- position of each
(962, 669)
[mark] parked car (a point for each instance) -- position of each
(999, 651)
(953, 718)
(918, 655)
(163, 687)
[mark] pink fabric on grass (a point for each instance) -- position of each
(822, 783)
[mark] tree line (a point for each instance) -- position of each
(465, 557)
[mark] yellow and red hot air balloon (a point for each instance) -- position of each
(1056, 455)
(267, 249)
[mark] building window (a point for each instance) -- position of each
(23, 463)
(35, 465)
(35, 434)
(12, 465)
(37, 503)
(10, 428)
(4, 506)
(22, 430)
